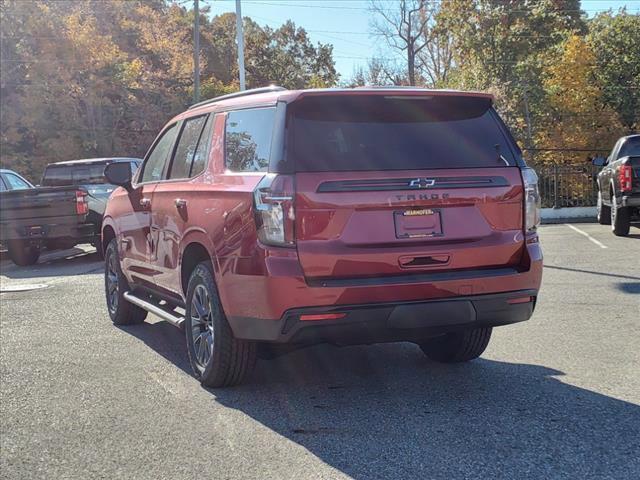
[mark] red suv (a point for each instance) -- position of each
(348, 216)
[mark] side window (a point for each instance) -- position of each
(202, 152)
(153, 167)
(187, 145)
(2, 186)
(15, 182)
(247, 140)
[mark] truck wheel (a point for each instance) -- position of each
(217, 358)
(115, 285)
(22, 253)
(457, 347)
(620, 220)
(603, 212)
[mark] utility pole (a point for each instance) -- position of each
(527, 118)
(196, 51)
(240, 41)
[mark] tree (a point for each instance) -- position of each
(84, 78)
(378, 72)
(577, 116)
(504, 46)
(615, 41)
(404, 28)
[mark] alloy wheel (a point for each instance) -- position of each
(202, 333)
(112, 282)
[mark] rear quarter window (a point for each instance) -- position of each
(247, 139)
(396, 133)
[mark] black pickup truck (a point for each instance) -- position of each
(30, 216)
(619, 185)
(65, 211)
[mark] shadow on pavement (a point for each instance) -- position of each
(74, 261)
(629, 287)
(385, 411)
(553, 267)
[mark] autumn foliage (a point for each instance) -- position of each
(87, 78)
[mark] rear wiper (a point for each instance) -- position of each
(500, 157)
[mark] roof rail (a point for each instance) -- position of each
(244, 93)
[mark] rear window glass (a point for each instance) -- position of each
(630, 148)
(395, 133)
(247, 141)
(186, 149)
(61, 175)
(74, 175)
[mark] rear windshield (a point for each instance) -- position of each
(393, 132)
(630, 148)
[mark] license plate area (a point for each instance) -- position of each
(35, 231)
(417, 223)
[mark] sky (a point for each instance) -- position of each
(346, 24)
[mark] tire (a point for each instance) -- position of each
(217, 358)
(22, 253)
(115, 285)
(457, 347)
(620, 220)
(603, 212)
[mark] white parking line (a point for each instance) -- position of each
(600, 244)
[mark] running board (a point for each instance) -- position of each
(155, 309)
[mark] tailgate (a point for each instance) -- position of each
(389, 183)
(36, 205)
(359, 224)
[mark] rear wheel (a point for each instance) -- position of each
(457, 347)
(603, 212)
(115, 285)
(218, 359)
(23, 253)
(620, 219)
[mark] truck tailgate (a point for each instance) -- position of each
(39, 212)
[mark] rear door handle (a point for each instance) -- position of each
(180, 203)
(145, 202)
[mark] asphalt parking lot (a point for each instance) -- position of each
(555, 397)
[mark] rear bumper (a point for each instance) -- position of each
(267, 307)
(632, 200)
(49, 231)
(389, 322)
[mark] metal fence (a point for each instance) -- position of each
(568, 185)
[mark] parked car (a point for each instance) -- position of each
(619, 185)
(65, 211)
(30, 215)
(349, 216)
(10, 180)
(87, 174)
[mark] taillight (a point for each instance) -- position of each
(273, 201)
(531, 200)
(82, 208)
(624, 174)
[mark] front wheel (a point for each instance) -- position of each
(457, 347)
(23, 253)
(620, 220)
(217, 358)
(603, 212)
(115, 285)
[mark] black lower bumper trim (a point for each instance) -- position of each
(389, 322)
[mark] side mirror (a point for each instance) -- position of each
(599, 161)
(118, 174)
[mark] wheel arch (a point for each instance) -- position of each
(108, 234)
(194, 251)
